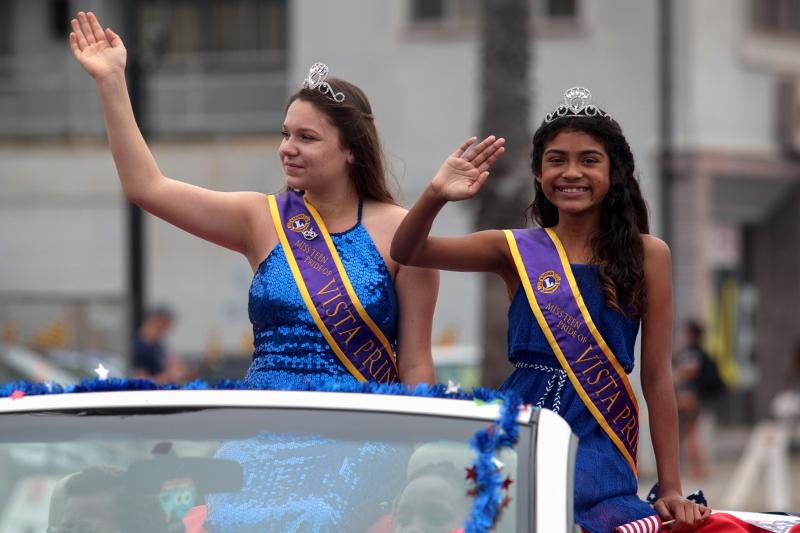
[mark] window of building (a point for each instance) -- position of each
(444, 11)
(58, 18)
(558, 8)
(771, 40)
(776, 17)
(6, 30)
(465, 12)
(425, 11)
(249, 27)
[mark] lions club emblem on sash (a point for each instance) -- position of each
(298, 223)
(548, 282)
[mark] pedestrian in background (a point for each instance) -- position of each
(150, 357)
(697, 384)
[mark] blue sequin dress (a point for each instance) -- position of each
(605, 487)
(291, 353)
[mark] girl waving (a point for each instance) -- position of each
(581, 286)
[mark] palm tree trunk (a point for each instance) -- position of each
(505, 57)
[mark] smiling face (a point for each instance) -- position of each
(430, 504)
(575, 175)
(311, 152)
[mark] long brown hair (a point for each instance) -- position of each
(356, 124)
(617, 247)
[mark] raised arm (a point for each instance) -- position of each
(227, 219)
(460, 177)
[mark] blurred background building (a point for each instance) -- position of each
(706, 90)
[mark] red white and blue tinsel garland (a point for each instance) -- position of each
(486, 469)
(503, 433)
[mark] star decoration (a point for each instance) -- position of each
(471, 474)
(507, 483)
(505, 502)
(17, 394)
(452, 387)
(101, 371)
(498, 464)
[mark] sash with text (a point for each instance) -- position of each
(560, 311)
(327, 292)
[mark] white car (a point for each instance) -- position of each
(246, 460)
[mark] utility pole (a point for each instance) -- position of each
(505, 54)
(136, 236)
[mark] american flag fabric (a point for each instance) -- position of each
(736, 521)
(651, 524)
(724, 522)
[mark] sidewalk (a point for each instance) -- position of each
(726, 451)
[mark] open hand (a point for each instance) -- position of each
(687, 514)
(463, 174)
(99, 52)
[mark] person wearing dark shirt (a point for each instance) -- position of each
(149, 351)
(696, 382)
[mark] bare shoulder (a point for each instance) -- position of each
(654, 248)
(255, 200)
(382, 218)
(256, 205)
(385, 213)
(657, 256)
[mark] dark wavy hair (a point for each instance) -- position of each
(357, 133)
(617, 246)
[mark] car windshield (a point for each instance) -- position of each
(246, 469)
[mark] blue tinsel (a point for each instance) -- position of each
(502, 433)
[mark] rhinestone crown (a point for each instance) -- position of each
(577, 103)
(317, 75)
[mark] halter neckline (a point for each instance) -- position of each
(358, 222)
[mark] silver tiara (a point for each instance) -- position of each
(577, 103)
(317, 75)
